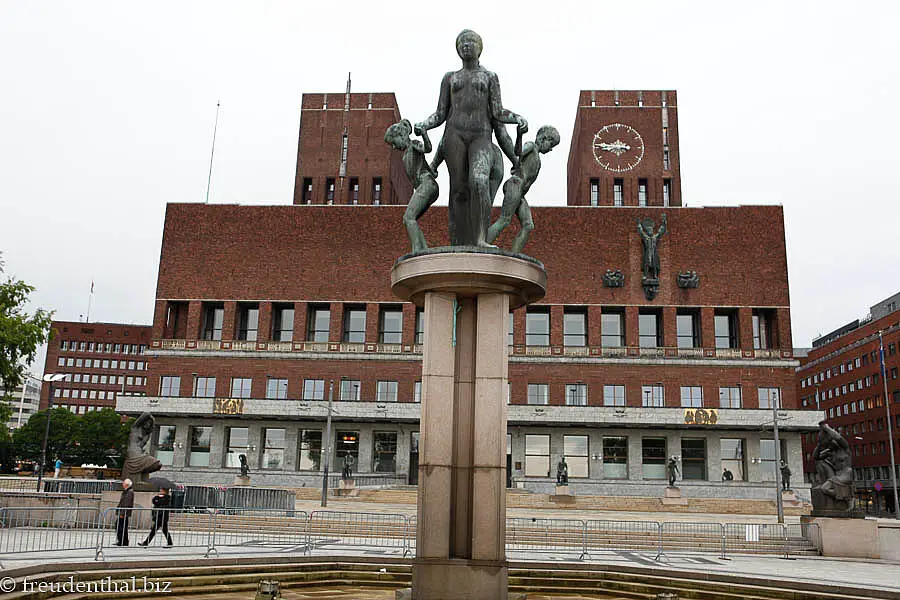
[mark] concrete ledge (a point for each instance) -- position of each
(846, 538)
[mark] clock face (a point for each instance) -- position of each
(618, 147)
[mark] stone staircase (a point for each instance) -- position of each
(215, 579)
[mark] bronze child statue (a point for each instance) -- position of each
(421, 175)
(517, 186)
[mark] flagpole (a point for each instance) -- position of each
(90, 299)
(890, 429)
(212, 152)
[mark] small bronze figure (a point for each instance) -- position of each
(347, 469)
(672, 466)
(420, 174)
(785, 476)
(245, 468)
(562, 472)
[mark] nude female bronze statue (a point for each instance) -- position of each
(471, 106)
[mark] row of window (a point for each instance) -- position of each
(277, 389)
(653, 395)
(654, 456)
(847, 367)
(108, 348)
(882, 472)
(537, 326)
(80, 409)
(272, 448)
(306, 194)
(619, 191)
(858, 405)
(87, 394)
(103, 379)
(96, 363)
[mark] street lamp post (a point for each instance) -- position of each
(887, 408)
(50, 379)
(779, 501)
(327, 445)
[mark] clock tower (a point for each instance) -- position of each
(624, 150)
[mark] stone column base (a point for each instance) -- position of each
(848, 538)
(457, 579)
(242, 481)
(673, 497)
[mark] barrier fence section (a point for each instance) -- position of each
(188, 529)
(692, 537)
(259, 528)
(612, 536)
(43, 529)
(361, 480)
(358, 529)
(564, 536)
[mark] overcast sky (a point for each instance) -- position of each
(107, 108)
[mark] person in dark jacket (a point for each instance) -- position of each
(160, 518)
(123, 513)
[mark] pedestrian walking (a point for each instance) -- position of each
(160, 517)
(123, 513)
(59, 465)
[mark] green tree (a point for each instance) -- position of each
(100, 437)
(20, 333)
(28, 439)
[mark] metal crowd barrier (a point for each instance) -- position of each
(361, 480)
(27, 529)
(81, 486)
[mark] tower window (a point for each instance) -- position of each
(667, 191)
(642, 192)
(306, 193)
(329, 191)
(595, 192)
(618, 192)
(666, 164)
(354, 190)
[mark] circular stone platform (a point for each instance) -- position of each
(468, 271)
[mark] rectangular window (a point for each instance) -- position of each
(376, 191)
(732, 451)
(769, 397)
(687, 326)
(283, 323)
(618, 192)
(313, 389)
(310, 448)
(653, 458)
(575, 449)
(649, 330)
(768, 460)
(666, 161)
(642, 192)
(165, 445)
(329, 191)
(653, 396)
(350, 390)
(204, 387)
(538, 393)
(595, 192)
(354, 191)
(213, 317)
(417, 392)
(384, 452)
(346, 444)
(537, 456)
(510, 339)
(273, 449)
(199, 447)
(307, 191)
(693, 458)
(574, 327)
(576, 394)
(240, 387)
(390, 327)
(537, 328)
(667, 191)
(386, 391)
(169, 386)
(355, 325)
(726, 332)
(420, 326)
(276, 389)
(613, 395)
(615, 457)
(238, 443)
(612, 329)
(248, 322)
(319, 323)
(691, 396)
(762, 329)
(729, 397)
